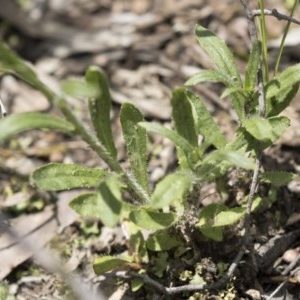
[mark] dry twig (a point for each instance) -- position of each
(274, 13)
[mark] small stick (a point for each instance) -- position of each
(274, 13)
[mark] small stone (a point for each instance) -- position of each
(254, 294)
(290, 255)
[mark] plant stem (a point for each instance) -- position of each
(287, 27)
(101, 150)
(264, 41)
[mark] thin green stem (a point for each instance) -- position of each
(263, 33)
(101, 150)
(286, 30)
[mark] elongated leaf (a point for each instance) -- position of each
(279, 125)
(57, 177)
(219, 54)
(105, 264)
(162, 240)
(223, 59)
(281, 90)
(266, 129)
(206, 221)
(10, 62)
(136, 139)
(152, 220)
(100, 108)
(178, 140)
(259, 128)
(229, 216)
(208, 213)
(252, 67)
(231, 91)
(171, 189)
(14, 124)
(216, 163)
(214, 233)
(183, 116)
(80, 89)
(105, 204)
(205, 122)
(278, 178)
(234, 157)
(208, 76)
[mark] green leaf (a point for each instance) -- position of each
(205, 122)
(229, 216)
(15, 124)
(206, 221)
(259, 128)
(281, 90)
(217, 163)
(136, 142)
(162, 240)
(278, 178)
(234, 157)
(57, 177)
(266, 129)
(214, 233)
(219, 54)
(152, 220)
(224, 61)
(207, 76)
(183, 116)
(178, 140)
(252, 67)
(230, 91)
(136, 284)
(100, 108)
(208, 213)
(105, 204)
(279, 125)
(10, 62)
(80, 89)
(171, 189)
(105, 264)
(238, 99)
(184, 124)
(137, 244)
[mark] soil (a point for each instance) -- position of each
(146, 49)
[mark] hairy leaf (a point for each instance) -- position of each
(162, 240)
(208, 76)
(252, 66)
(136, 139)
(10, 62)
(57, 177)
(229, 217)
(278, 178)
(15, 124)
(266, 129)
(183, 116)
(99, 107)
(206, 221)
(219, 54)
(152, 220)
(105, 204)
(259, 128)
(205, 122)
(105, 264)
(281, 90)
(80, 89)
(178, 140)
(171, 189)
